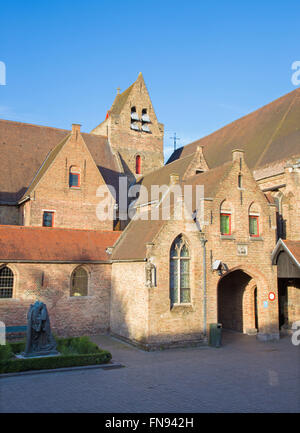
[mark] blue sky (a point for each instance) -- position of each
(205, 63)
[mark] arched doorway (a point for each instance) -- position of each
(237, 302)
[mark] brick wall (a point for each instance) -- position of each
(73, 207)
(129, 317)
(185, 322)
(68, 315)
(130, 143)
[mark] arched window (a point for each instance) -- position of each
(79, 282)
(74, 177)
(138, 164)
(180, 272)
(6, 282)
(254, 213)
(225, 218)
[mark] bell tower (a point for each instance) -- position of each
(133, 130)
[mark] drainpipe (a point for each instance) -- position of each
(203, 243)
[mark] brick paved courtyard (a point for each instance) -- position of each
(243, 376)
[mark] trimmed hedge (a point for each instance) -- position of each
(75, 352)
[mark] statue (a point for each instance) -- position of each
(150, 274)
(40, 341)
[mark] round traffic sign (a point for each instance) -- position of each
(272, 296)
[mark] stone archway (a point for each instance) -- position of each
(237, 302)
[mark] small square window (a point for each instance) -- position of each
(74, 180)
(48, 219)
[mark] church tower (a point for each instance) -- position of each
(133, 130)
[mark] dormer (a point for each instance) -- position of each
(198, 164)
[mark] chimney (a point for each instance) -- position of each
(238, 155)
(174, 178)
(76, 129)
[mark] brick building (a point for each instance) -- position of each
(115, 241)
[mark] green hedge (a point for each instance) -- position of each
(75, 351)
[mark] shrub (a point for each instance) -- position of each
(17, 365)
(76, 345)
(75, 351)
(18, 347)
(5, 352)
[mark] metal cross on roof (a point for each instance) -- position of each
(175, 140)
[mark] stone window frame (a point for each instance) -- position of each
(88, 282)
(178, 260)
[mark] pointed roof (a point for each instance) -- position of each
(132, 243)
(161, 176)
(25, 147)
(269, 134)
(121, 98)
(46, 164)
(292, 248)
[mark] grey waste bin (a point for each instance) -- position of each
(215, 334)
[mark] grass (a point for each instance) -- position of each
(74, 351)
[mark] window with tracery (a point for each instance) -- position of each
(180, 272)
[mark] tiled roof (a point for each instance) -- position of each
(24, 148)
(294, 247)
(132, 243)
(43, 244)
(269, 134)
(161, 176)
(210, 179)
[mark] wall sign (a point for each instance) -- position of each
(242, 250)
(272, 296)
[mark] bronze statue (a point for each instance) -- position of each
(40, 341)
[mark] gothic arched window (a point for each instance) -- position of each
(6, 282)
(79, 282)
(180, 272)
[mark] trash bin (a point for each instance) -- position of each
(215, 334)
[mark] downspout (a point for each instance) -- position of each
(203, 243)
